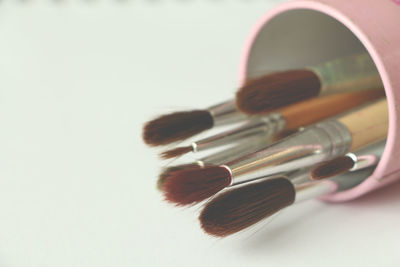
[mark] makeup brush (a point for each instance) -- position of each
(247, 146)
(239, 208)
(181, 125)
(322, 141)
(361, 159)
(290, 117)
(351, 73)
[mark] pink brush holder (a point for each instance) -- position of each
(306, 32)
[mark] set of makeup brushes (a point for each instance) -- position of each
(298, 134)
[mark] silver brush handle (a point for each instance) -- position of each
(226, 155)
(335, 184)
(314, 144)
(367, 156)
(259, 126)
(226, 113)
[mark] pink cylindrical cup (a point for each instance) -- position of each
(306, 32)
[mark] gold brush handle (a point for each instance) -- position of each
(367, 125)
(315, 109)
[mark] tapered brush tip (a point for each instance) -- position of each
(167, 172)
(237, 209)
(332, 167)
(191, 186)
(277, 90)
(176, 152)
(176, 126)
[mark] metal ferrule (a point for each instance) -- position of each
(231, 153)
(314, 190)
(335, 184)
(314, 144)
(300, 177)
(264, 126)
(226, 113)
(351, 73)
(364, 161)
(367, 156)
(200, 162)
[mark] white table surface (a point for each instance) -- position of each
(77, 186)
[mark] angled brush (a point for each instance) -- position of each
(181, 125)
(290, 117)
(351, 73)
(322, 141)
(239, 208)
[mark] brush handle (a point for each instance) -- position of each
(226, 113)
(264, 126)
(333, 185)
(316, 143)
(221, 157)
(291, 117)
(316, 109)
(351, 73)
(367, 125)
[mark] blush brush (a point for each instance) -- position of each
(272, 91)
(239, 208)
(320, 142)
(290, 117)
(181, 125)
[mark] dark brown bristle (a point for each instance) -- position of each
(237, 209)
(170, 170)
(192, 186)
(176, 126)
(179, 151)
(332, 167)
(277, 90)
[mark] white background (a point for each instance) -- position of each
(77, 186)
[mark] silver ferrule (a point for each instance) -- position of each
(200, 162)
(314, 144)
(367, 156)
(313, 190)
(364, 161)
(258, 126)
(300, 177)
(226, 155)
(335, 184)
(226, 113)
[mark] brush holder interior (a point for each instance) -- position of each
(302, 33)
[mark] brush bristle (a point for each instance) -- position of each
(237, 209)
(167, 172)
(332, 167)
(179, 151)
(277, 90)
(187, 187)
(176, 126)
